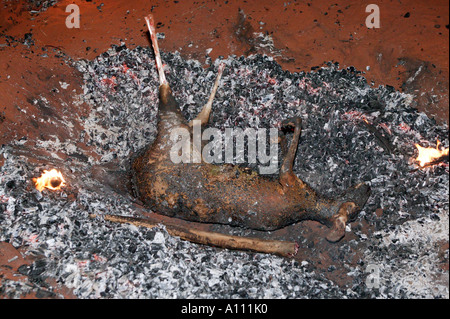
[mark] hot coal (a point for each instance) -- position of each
(336, 151)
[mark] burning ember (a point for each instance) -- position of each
(50, 179)
(429, 156)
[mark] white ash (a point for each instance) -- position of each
(420, 276)
(102, 259)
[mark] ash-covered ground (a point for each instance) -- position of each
(407, 211)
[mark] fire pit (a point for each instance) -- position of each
(352, 132)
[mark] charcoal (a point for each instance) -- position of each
(98, 259)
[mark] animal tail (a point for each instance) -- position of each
(151, 28)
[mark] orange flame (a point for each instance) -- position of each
(429, 154)
(50, 179)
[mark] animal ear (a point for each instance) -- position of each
(287, 176)
(358, 194)
(337, 231)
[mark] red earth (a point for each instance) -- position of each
(410, 51)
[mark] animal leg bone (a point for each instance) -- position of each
(277, 247)
(203, 116)
(151, 27)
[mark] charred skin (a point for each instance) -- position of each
(228, 194)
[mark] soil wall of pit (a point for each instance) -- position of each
(409, 50)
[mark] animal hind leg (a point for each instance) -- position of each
(167, 103)
(203, 116)
(151, 28)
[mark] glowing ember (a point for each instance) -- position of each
(429, 154)
(50, 179)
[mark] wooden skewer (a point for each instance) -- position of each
(277, 247)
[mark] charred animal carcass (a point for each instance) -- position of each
(227, 194)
